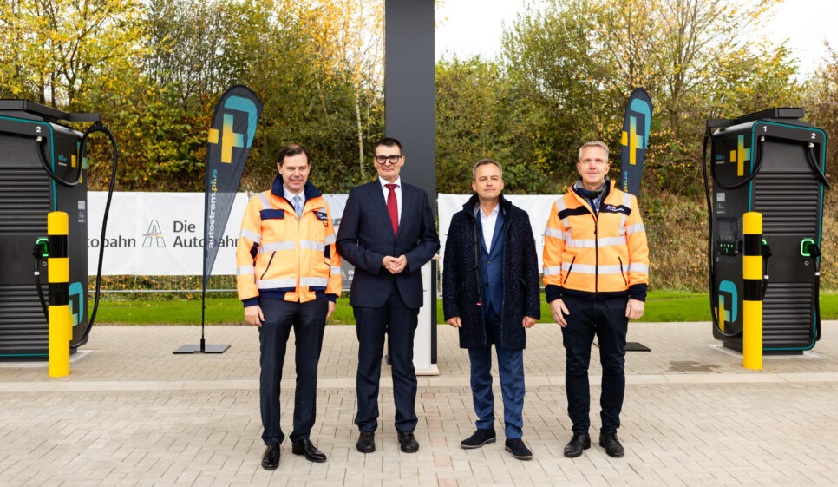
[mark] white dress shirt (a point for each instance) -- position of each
(487, 222)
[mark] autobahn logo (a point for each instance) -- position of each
(153, 235)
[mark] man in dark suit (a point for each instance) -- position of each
(490, 292)
(388, 233)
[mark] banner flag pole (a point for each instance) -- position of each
(637, 125)
(230, 138)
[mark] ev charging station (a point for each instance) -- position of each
(773, 164)
(42, 170)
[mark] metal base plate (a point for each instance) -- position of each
(197, 349)
(637, 347)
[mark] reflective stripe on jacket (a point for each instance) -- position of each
(282, 257)
(588, 253)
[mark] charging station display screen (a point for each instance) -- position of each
(726, 234)
(726, 230)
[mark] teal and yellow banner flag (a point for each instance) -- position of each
(229, 140)
(637, 124)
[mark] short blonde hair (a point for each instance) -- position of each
(594, 143)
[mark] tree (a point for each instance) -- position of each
(349, 37)
(348, 44)
(313, 93)
(55, 50)
(202, 47)
(821, 102)
(465, 93)
(198, 50)
(577, 61)
(475, 120)
(557, 82)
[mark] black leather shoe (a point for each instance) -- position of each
(271, 458)
(518, 449)
(578, 443)
(611, 444)
(306, 448)
(408, 442)
(478, 439)
(366, 442)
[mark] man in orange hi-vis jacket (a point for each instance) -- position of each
(288, 277)
(596, 271)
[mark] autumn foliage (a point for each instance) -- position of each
(154, 69)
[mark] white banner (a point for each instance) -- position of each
(537, 207)
(161, 234)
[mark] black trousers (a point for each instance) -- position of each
(605, 319)
(399, 323)
(308, 321)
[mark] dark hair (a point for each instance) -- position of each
(389, 142)
(291, 150)
(483, 162)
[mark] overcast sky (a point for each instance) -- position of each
(471, 27)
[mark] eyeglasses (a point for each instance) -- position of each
(588, 162)
(393, 159)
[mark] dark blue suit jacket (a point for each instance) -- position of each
(365, 237)
(491, 265)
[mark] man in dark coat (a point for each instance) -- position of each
(490, 292)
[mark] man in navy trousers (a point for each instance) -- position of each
(490, 293)
(388, 233)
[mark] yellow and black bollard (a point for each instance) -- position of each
(752, 291)
(60, 322)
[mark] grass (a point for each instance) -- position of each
(660, 306)
(672, 306)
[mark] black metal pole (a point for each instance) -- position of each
(409, 100)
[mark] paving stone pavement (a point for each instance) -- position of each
(133, 414)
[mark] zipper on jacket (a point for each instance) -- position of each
(569, 270)
(596, 254)
(299, 251)
(268, 266)
(621, 271)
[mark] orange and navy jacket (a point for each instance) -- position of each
(591, 254)
(280, 256)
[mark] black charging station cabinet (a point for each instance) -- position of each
(772, 163)
(33, 139)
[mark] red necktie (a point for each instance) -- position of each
(393, 207)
